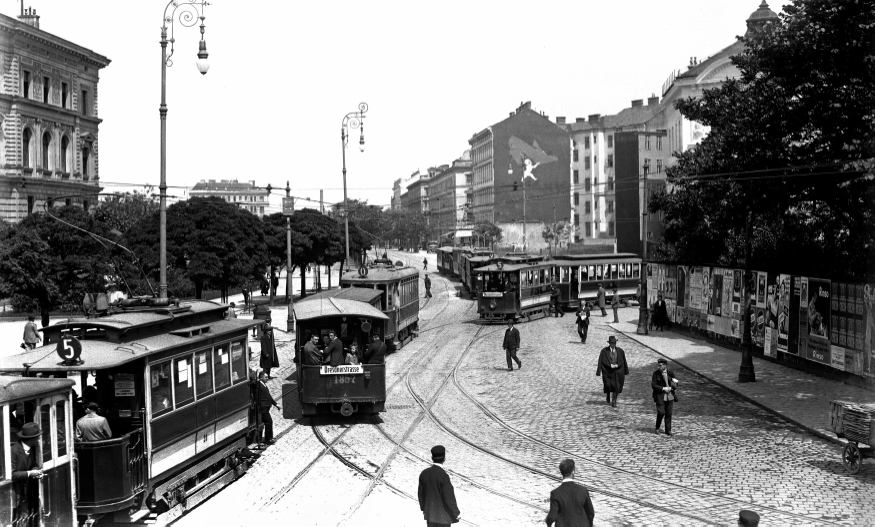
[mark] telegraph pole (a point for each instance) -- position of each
(288, 210)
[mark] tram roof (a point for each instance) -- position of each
(14, 388)
(379, 274)
(327, 307)
(361, 294)
(506, 268)
(597, 256)
(101, 354)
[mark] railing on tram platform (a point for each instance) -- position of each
(111, 472)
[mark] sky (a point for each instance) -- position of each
(284, 74)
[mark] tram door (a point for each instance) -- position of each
(56, 502)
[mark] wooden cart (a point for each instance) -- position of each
(853, 421)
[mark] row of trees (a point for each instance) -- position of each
(791, 147)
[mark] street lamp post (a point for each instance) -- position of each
(746, 370)
(351, 120)
(643, 310)
(190, 11)
(510, 173)
(290, 319)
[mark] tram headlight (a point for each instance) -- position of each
(493, 304)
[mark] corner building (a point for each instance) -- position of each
(48, 119)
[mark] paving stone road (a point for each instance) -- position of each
(506, 432)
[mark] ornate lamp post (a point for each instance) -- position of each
(351, 120)
(190, 11)
(290, 319)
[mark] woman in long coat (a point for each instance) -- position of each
(660, 313)
(613, 370)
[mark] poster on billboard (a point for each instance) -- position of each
(716, 305)
(695, 286)
(736, 291)
(770, 346)
(681, 285)
(783, 311)
(837, 357)
(869, 328)
(726, 297)
(705, 301)
(819, 311)
(761, 288)
(758, 325)
(796, 306)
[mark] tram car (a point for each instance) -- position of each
(471, 259)
(399, 298)
(578, 276)
(350, 388)
(39, 410)
(173, 382)
(487, 257)
(444, 260)
(513, 290)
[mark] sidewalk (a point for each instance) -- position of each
(801, 397)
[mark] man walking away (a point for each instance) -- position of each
(664, 383)
(427, 287)
(245, 291)
(601, 300)
(265, 401)
(615, 304)
(437, 500)
(570, 503)
(31, 333)
(613, 369)
(511, 344)
(583, 322)
(425, 263)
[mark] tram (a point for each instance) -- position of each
(471, 259)
(513, 290)
(346, 389)
(399, 297)
(32, 502)
(444, 260)
(173, 381)
(475, 261)
(578, 276)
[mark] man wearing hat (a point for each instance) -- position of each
(269, 358)
(376, 352)
(25, 466)
(664, 383)
(613, 369)
(511, 344)
(437, 500)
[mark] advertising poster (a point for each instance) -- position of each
(761, 288)
(758, 326)
(770, 346)
(695, 289)
(783, 311)
(682, 286)
(736, 291)
(793, 322)
(716, 305)
(726, 307)
(869, 329)
(705, 302)
(819, 312)
(837, 357)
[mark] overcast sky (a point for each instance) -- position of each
(283, 75)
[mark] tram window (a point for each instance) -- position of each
(162, 397)
(622, 271)
(599, 272)
(238, 362)
(203, 376)
(388, 295)
(566, 274)
(183, 384)
(636, 270)
(61, 421)
(614, 271)
(45, 425)
(524, 279)
(222, 366)
(591, 277)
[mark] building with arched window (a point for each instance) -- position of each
(48, 119)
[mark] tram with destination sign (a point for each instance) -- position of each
(398, 286)
(172, 380)
(353, 316)
(578, 275)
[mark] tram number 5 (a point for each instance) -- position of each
(344, 380)
(69, 349)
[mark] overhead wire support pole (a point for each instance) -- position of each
(351, 120)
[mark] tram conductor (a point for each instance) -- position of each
(265, 401)
(25, 466)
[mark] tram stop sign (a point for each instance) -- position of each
(69, 349)
(288, 206)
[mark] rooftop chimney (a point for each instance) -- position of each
(652, 101)
(560, 120)
(637, 103)
(29, 16)
(579, 120)
(593, 117)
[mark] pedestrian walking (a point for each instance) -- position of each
(232, 311)
(583, 322)
(31, 333)
(266, 401)
(615, 304)
(245, 292)
(511, 344)
(92, 427)
(664, 383)
(269, 358)
(274, 284)
(437, 499)
(570, 503)
(427, 287)
(613, 370)
(601, 300)
(425, 263)
(660, 313)
(554, 300)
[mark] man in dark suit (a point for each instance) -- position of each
(25, 466)
(664, 383)
(554, 300)
(601, 300)
(437, 500)
(511, 344)
(570, 504)
(376, 352)
(613, 369)
(265, 401)
(334, 350)
(269, 358)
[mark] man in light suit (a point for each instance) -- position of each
(570, 504)
(437, 500)
(511, 344)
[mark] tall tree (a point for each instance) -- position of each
(324, 241)
(489, 232)
(556, 233)
(791, 144)
(120, 212)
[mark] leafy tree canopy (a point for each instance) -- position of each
(488, 230)
(791, 143)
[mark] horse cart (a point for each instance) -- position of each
(853, 421)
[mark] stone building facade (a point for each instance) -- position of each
(48, 119)
(245, 195)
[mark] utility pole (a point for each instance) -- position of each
(290, 319)
(746, 372)
(643, 310)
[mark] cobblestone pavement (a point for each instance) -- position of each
(506, 432)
